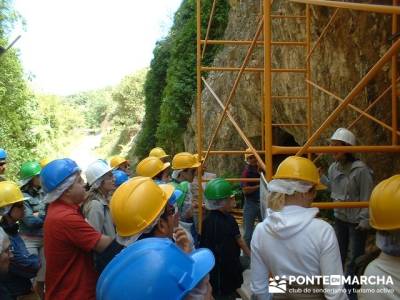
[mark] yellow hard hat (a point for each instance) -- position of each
(300, 168)
(44, 162)
(137, 203)
(184, 160)
(151, 166)
(158, 152)
(115, 161)
(384, 207)
(10, 193)
(247, 155)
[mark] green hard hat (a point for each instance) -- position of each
(218, 189)
(29, 170)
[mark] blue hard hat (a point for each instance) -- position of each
(55, 172)
(175, 196)
(120, 177)
(153, 268)
(3, 154)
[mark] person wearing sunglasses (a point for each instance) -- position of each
(167, 226)
(141, 209)
(23, 265)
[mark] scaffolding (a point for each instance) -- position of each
(269, 150)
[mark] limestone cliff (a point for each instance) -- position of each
(353, 44)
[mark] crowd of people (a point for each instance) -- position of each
(119, 236)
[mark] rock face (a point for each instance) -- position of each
(354, 42)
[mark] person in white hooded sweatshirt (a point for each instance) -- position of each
(291, 241)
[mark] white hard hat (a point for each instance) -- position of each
(95, 170)
(344, 135)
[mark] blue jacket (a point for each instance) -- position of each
(33, 225)
(23, 266)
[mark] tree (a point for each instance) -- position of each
(95, 105)
(170, 86)
(125, 119)
(56, 125)
(153, 91)
(31, 126)
(16, 107)
(129, 97)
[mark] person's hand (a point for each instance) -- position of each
(36, 214)
(182, 240)
(363, 225)
(203, 290)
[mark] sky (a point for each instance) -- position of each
(69, 46)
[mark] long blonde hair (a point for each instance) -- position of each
(275, 200)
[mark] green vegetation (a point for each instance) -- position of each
(115, 112)
(31, 126)
(57, 125)
(36, 126)
(123, 122)
(170, 87)
(16, 111)
(16, 108)
(153, 89)
(95, 105)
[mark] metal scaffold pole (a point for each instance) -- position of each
(394, 82)
(268, 17)
(267, 89)
(199, 116)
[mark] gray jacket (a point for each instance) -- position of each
(355, 184)
(98, 214)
